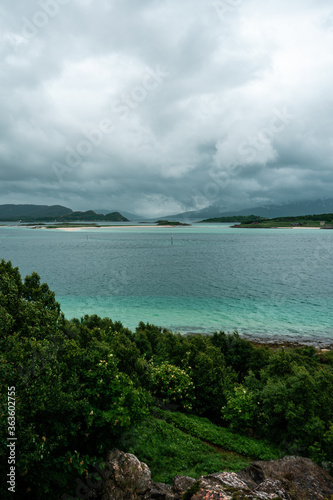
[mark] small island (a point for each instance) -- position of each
(319, 221)
(170, 223)
(244, 219)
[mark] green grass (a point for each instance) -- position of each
(173, 443)
(203, 429)
(168, 451)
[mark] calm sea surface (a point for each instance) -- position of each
(274, 283)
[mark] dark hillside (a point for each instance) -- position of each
(16, 212)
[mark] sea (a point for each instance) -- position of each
(269, 284)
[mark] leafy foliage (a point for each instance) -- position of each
(172, 384)
(240, 354)
(288, 401)
(84, 386)
(170, 451)
(71, 398)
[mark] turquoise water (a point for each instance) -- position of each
(274, 283)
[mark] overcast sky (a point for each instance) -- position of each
(162, 106)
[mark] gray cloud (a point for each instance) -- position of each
(159, 107)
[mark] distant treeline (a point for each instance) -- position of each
(315, 217)
(248, 219)
(236, 218)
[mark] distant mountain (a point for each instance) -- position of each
(90, 215)
(128, 215)
(308, 207)
(55, 213)
(17, 212)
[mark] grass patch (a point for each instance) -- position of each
(170, 452)
(202, 428)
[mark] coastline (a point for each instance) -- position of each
(254, 226)
(78, 228)
(101, 227)
(322, 345)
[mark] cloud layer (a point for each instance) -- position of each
(160, 106)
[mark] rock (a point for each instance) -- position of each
(209, 491)
(182, 483)
(229, 486)
(290, 478)
(227, 480)
(274, 487)
(125, 477)
(161, 491)
(299, 476)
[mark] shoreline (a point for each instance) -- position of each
(323, 345)
(276, 227)
(99, 227)
(78, 228)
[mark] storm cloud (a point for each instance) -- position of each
(159, 107)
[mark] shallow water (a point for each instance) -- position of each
(273, 283)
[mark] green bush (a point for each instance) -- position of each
(72, 401)
(171, 384)
(212, 379)
(241, 410)
(240, 354)
(195, 354)
(289, 401)
(82, 385)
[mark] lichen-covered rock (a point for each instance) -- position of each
(274, 487)
(227, 480)
(299, 476)
(125, 478)
(161, 491)
(209, 491)
(290, 478)
(228, 486)
(182, 483)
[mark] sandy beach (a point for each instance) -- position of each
(104, 227)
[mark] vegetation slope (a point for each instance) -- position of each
(184, 404)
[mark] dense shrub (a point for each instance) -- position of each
(72, 401)
(289, 401)
(171, 384)
(212, 380)
(195, 354)
(240, 354)
(82, 385)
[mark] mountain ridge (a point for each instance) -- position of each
(54, 213)
(306, 207)
(18, 211)
(129, 215)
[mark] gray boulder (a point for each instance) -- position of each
(290, 478)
